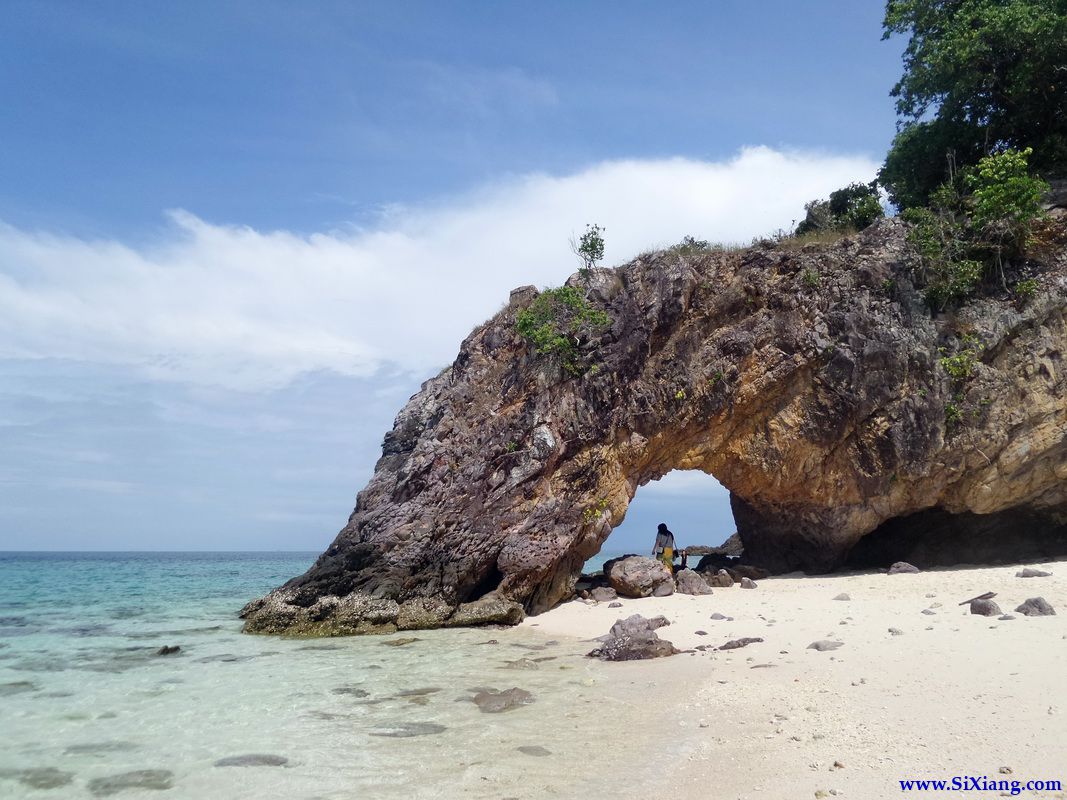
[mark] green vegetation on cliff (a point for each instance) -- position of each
(980, 77)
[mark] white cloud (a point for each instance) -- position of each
(235, 307)
(691, 484)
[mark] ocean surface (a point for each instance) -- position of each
(88, 709)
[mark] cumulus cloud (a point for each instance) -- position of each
(685, 483)
(235, 307)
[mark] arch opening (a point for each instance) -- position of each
(692, 503)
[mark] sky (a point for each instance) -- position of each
(235, 237)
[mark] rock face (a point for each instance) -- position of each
(808, 382)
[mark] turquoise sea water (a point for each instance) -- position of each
(87, 708)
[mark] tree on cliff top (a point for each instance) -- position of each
(979, 76)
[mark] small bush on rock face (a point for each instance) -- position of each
(1025, 290)
(589, 248)
(961, 238)
(961, 366)
(1005, 198)
(936, 238)
(557, 322)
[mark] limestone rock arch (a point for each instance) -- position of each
(806, 381)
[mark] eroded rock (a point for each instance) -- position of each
(902, 568)
(744, 641)
(688, 581)
(1036, 607)
(634, 638)
(721, 578)
(1030, 572)
(823, 411)
(985, 607)
(638, 576)
(603, 594)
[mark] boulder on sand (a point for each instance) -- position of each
(690, 582)
(902, 568)
(638, 576)
(985, 607)
(722, 578)
(634, 638)
(1036, 607)
(603, 594)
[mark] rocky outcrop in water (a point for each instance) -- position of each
(809, 382)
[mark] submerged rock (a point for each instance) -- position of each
(168, 650)
(351, 691)
(253, 760)
(17, 687)
(401, 641)
(419, 692)
(141, 779)
(408, 730)
(39, 777)
(99, 748)
(534, 750)
(823, 410)
(493, 701)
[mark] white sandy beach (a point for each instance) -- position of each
(954, 694)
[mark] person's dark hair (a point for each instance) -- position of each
(662, 527)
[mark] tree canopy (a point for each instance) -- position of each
(979, 76)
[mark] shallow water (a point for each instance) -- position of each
(84, 699)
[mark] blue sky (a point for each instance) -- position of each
(235, 237)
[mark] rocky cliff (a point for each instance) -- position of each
(810, 382)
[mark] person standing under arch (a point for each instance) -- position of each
(663, 550)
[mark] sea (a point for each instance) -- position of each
(89, 709)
